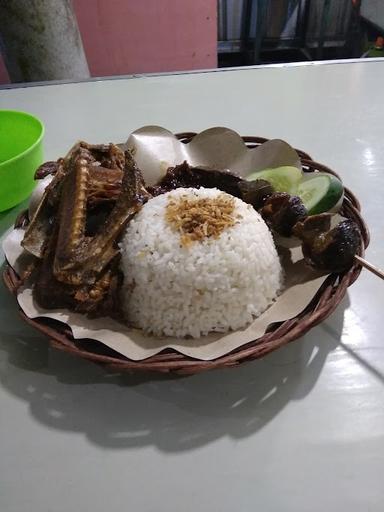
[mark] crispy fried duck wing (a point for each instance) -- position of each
(79, 271)
(79, 259)
(99, 159)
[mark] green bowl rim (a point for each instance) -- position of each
(36, 143)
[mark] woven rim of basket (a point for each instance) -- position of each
(323, 304)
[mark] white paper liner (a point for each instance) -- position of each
(155, 149)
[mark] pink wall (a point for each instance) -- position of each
(136, 36)
(139, 36)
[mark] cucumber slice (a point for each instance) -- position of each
(320, 192)
(282, 179)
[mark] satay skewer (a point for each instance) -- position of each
(372, 268)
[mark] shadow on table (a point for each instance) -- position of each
(170, 413)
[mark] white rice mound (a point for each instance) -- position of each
(217, 284)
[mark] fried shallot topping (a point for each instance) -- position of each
(197, 219)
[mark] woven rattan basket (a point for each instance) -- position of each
(323, 304)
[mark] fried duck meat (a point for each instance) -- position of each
(183, 175)
(48, 168)
(98, 299)
(102, 160)
(78, 259)
(77, 270)
(328, 249)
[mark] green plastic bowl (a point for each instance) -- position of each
(21, 153)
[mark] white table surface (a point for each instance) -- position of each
(301, 430)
